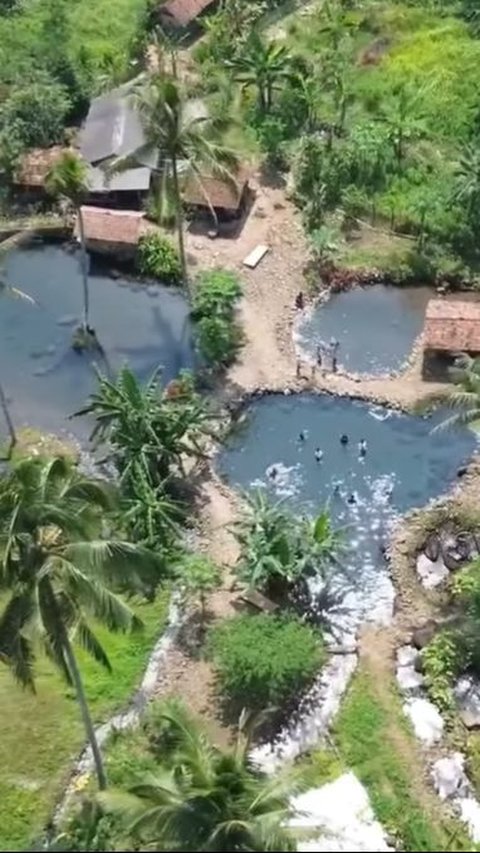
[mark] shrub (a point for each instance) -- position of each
(441, 663)
(216, 292)
(157, 257)
(199, 576)
(218, 335)
(35, 112)
(264, 659)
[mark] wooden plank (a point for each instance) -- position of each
(253, 259)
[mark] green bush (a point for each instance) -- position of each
(213, 308)
(35, 112)
(216, 292)
(264, 659)
(441, 663)
(157, 257)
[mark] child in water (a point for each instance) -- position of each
(362, 447)
(318, 454)
(344, 439)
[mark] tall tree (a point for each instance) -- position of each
(263, 65)
(401, 115)
(467, 189)
(68, 178)
(204, 798)
(58, 576)
(185, 142)
(7, 290)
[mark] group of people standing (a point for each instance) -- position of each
(326, 354)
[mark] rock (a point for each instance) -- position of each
(467, 695)
(426, 720)
(470, 813)
(449, 777)
(408, 678)
(406, 656)
(432, 547)
(115, 274)
(153, 291)
(424, 634)
(462, 471)
(432, 574)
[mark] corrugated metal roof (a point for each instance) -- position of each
(182, 12)
(112, 128)
(130, 180)
(112, 226)
(452, 326)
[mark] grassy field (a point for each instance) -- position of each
(101, 36)
(374, 739)
(41, 734)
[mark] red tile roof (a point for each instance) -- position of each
(112, 226)
(182, 12)
(452, 326)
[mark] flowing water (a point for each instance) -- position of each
(44, 378)
(404, 467)
(375, 326)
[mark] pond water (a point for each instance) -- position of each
(44, 378)
(404, 466)
(375, 326)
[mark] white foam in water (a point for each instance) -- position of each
(285, 480)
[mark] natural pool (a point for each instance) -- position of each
(375, 326)
(46, 381)
(404, 467)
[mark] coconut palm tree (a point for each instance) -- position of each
(59, 577)
(68, 179)
(263, 65)
(465, 399)
(204, 798)
(7, 290)
(185, 142)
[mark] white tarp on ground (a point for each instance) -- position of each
(342, 813)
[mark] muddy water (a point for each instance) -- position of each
(404, 466)
(45, 380)
(375, 326)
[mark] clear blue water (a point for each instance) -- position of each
(404, 467)
(375, 326)
(45, 380)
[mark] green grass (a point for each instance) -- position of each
(41, 734)
(363, 735)
(103, 36)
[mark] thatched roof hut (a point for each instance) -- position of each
(225, 196)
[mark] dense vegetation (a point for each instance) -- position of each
(264, 660)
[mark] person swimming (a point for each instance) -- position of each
(344, 439)
(352, 498)
(318, 454)
(362, 447)
(272, 472)
(301, 435)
